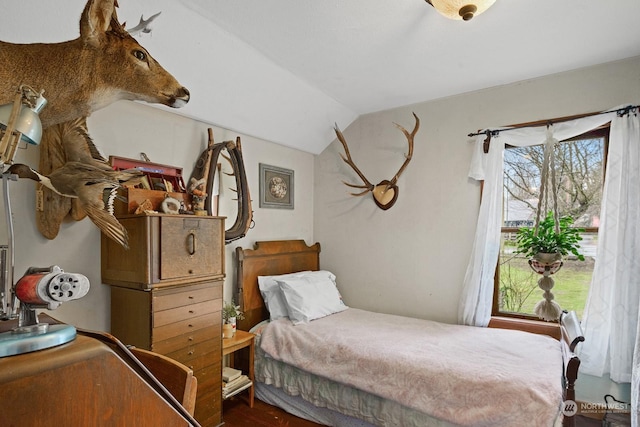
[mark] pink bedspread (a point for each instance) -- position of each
(462, 374)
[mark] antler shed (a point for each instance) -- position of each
(385, 193)
(348, 160)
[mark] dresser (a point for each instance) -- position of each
(166, 295)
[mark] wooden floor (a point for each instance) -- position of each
(236, 413)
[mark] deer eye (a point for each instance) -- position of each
(140, 55)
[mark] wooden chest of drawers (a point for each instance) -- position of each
(167, 296)
(165, 250)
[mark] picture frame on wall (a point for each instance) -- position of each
(276, 187)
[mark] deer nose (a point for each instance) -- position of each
(180, 98)
(186, 96)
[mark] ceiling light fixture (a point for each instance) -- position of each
(461, 9)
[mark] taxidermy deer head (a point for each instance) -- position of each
(103, 65)
(385, 193)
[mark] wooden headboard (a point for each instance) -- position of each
(269, 258)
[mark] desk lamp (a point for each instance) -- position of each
(39, 288)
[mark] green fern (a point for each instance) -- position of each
(547, 240)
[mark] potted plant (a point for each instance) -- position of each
(231, 313)
(547, 244)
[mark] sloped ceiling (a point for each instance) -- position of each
(287, 70)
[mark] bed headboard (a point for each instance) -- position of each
(269, 258)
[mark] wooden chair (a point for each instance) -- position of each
(176, 377)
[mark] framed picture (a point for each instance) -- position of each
(276, 187)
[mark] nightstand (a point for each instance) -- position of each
(241, 340)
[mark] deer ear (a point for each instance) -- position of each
(96, 19)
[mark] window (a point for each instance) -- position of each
(579, 168)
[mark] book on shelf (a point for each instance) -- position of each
(229, 374)
(235, 386)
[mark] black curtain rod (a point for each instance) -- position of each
(495, 132)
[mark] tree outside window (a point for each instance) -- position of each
(579, 168)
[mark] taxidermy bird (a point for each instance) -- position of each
(87, 183)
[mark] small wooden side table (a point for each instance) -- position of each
(241, 339)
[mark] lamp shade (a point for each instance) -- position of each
(27, 123)
(461, 9)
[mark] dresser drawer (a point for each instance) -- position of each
(195, 361)
(181, 341)
(210, 377)
(195, 243)
(209, 400)
(208, 407)
(187, 312)
(172, 297)
(199, 355)
(184, 327)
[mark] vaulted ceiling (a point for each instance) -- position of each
(287, 70)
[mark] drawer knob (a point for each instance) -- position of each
(191, 312)
(190, 325)
(190, 353)
(190, 296)
(190, 338)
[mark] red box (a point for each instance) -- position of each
(161, 181)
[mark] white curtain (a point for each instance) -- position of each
(477, 293)
(610, 321)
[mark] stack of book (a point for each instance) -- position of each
(234, 381)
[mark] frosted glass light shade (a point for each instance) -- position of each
(27, 123)
(461, 9)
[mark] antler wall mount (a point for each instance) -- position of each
(385, 193)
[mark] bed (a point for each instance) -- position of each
(424, 373)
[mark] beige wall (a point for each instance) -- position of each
(412, 258)
(126, 129)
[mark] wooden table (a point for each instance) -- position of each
(240, 340)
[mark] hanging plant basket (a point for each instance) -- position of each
(548, 240)
(551, 238)
(544, 262)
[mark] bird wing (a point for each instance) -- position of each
(105, 221)
(78, 145)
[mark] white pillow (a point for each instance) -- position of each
(272, 295)
(311, 297)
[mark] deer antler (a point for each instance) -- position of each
(410, 152)
(367, 185)
(385, 193)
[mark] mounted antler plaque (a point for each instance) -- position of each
(385, 193)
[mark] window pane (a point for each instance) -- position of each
(579, 175)
(579, 170)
